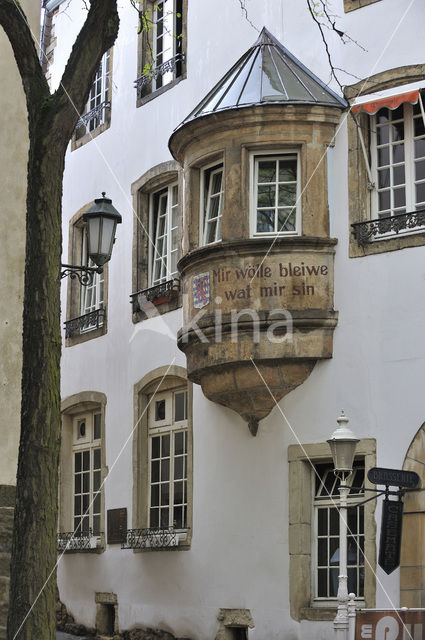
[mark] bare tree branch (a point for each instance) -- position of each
(245, 12)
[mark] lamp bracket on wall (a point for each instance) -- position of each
(84, 274)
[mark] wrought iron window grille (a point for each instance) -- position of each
(163, 292)
(97, 113)
(365, 232)
(79, 540)
(151, 538)
(160, 70)
(87, 322)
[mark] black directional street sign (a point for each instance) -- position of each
(390, 541)
(393, 477)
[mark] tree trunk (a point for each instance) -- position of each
(33, 574)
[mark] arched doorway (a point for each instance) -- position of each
(412, 562)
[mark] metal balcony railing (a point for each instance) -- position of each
(95, 117)
(365, 232)
(152, 538)
(76, 541)
(163, 292)
(87, 322)
(160, 70)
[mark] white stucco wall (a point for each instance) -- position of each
(239, 555)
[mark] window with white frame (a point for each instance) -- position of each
(164, 229)
(326, 539)
(163, 55)
(98, 105)
(93, 295)
(212, 203)
(168, 452)
(275, 194)
(86, 473)
(398, 160)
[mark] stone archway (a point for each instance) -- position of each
(412, 563)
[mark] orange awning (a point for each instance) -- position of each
(391, 102)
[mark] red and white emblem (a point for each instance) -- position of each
(201, 290)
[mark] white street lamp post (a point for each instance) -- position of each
(343, 445)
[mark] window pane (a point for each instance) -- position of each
(179, 443)
(96, 481)
(333, 583)
(383, 156)
(420, 192)
(165, 494)
(165, 445)
(352, 580)
(156, 447)
(179, 406)
(77, 484)
(211, 228)
(164, 517)
(266, 196)
(322, 583)
(419, 148)
(383, 134)
(97, 427)
(322, 552)
(322, 522)
(399, 197)
(96, 525)
(286, 220)
(77, 505)
(165, 470)
(267, 171)
(265, 221)
(398, 153)
(85, 503)
(384, 200)
(159, 410)
(398, 131)
(178, 468)
(154, 518)
(96, 459)
(155, 495)
(178, 518)
(382, 116)
(419, 127)
(86, 460)
(287, 170)
(216, 182)
(77, 462)
(287, 195)
(398, 175)
(96, 503)
(86, 482)
(178, 493)
(352, 519)
(334, 551)
(420, 170)
(334, 522)
(155, 471)
(383, 178)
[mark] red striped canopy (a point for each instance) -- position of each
(392, 102)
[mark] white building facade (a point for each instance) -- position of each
(238, 185)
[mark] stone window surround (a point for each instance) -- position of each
(142, 59)
(84, 401)
(352, 5)
(161, 379)
(156, 178)
(231, 618)
(300, 526)
(73, 300)
(358, 192)
(76, 144)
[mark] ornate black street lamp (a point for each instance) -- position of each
(101, 223)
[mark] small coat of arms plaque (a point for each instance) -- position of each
(201, 290)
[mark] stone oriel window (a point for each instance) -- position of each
(162, 453)
(386, 163)
(86, 305)
(304, 532)
(97, 114)
(158, 229)
(82, 471)
(162, 47)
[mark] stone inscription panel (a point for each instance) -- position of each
(275, 282)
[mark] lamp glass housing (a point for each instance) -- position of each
(343, 445)
(102, 219)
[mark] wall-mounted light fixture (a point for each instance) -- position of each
(101, 223)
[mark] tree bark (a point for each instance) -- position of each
(52, 118)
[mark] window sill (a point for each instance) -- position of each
(143, 541)
(390, 243)
(76, 144)
(88, 334)
(151, 96)
(318, 613)
(169, 301)
(97, 545)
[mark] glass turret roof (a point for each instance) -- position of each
(267, 73)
